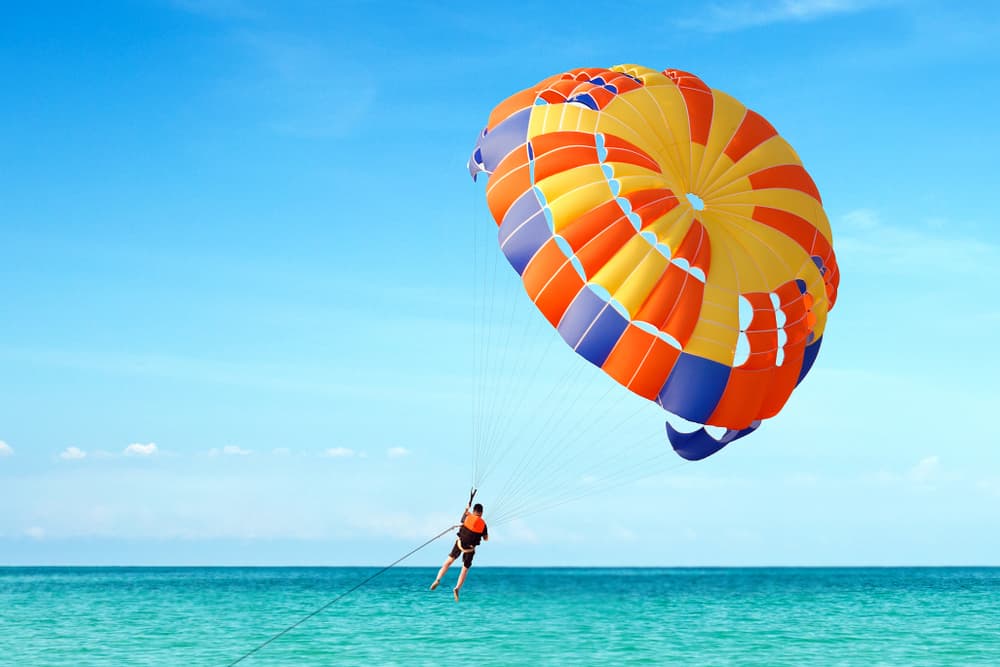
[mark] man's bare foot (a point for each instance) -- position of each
(437, 582)
(455, 591)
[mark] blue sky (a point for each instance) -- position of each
(238, 293)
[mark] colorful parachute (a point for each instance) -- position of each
(670, 235)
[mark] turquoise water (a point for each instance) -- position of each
(507, 616)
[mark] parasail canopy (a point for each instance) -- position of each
(670, 235)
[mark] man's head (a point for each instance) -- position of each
(477, 509)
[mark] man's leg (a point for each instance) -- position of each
(444, 568)
(461, 580)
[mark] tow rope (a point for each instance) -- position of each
(345, 593)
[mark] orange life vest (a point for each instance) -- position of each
(475, 524)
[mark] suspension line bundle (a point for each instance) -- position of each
(548, 427)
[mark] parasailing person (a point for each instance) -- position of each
(471, 533)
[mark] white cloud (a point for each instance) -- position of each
(698, 482)
(296, 81)
(518, 531)
(732, 16)
(281, 451)
(73, 454)
(623, 534)
(138, 449)
(5, 449)
(400, 524)
(35, 533)
(862, 219)
(229, 450)
(397, 452)
(339, 452)
(937, 37)
(916, 249)
(989, 485)
(925, 470)
(801, 479)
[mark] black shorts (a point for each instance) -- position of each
(467, 556)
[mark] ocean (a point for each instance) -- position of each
(100, 617)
